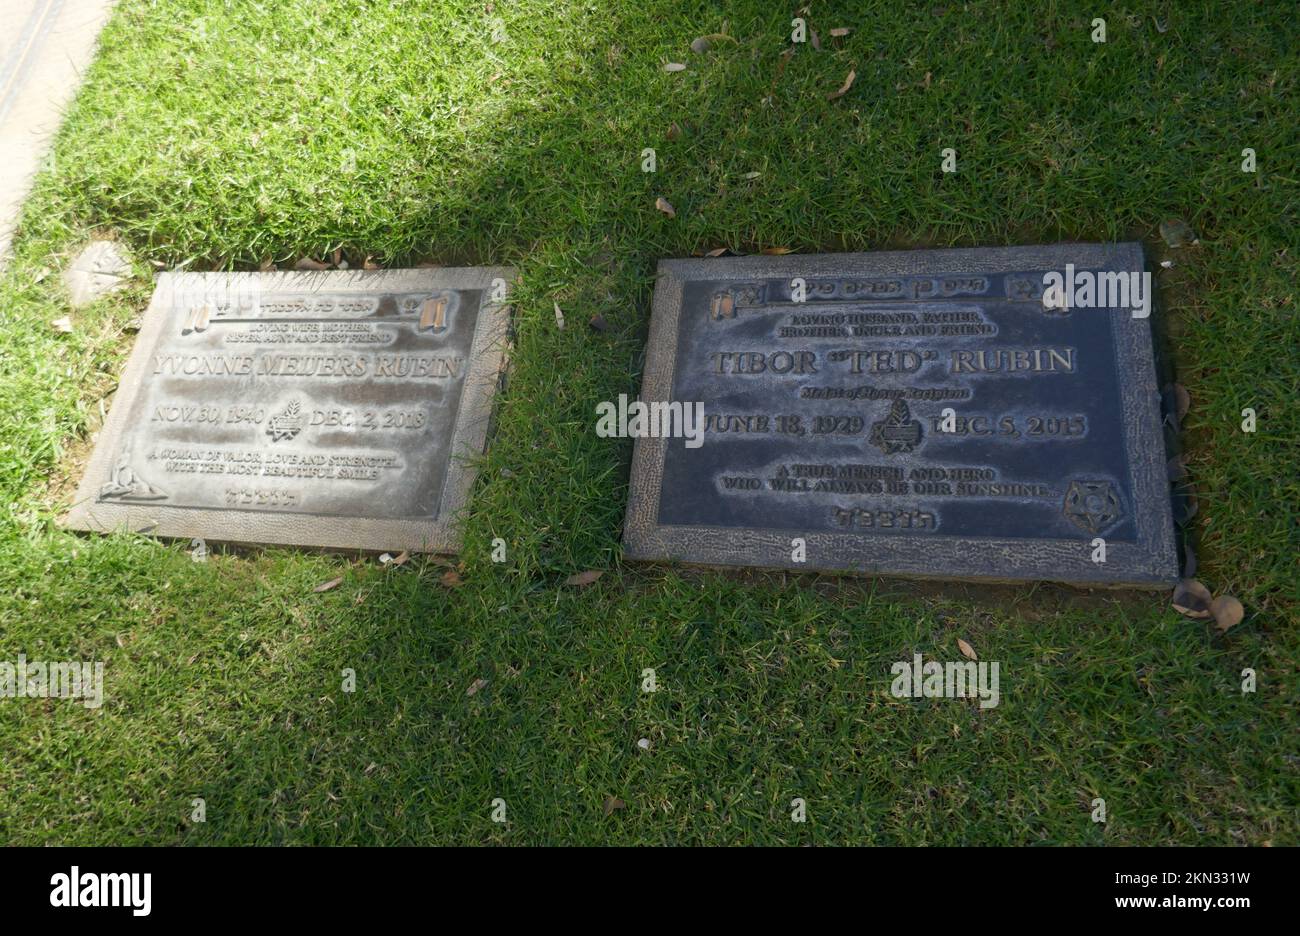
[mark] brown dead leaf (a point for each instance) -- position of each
(475, 686)
(839, 32)
(1177, 233)
(966, 649)
(326, 586)
(702, 44)
(612, 803)
(308, 263)
(584, 578)
(665, 206)
(776, 251)
(674, 67)
(1227, 612)
(598, 323)
(369, 264)
(401, 558)
(674, 131)
(815, 39)
(716, 252)
(559, 316)
(451, 579)
(1191, 599)
(844, 88)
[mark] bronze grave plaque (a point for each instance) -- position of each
(983, 414)
(338, 409)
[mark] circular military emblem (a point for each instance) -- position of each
(1092, 505)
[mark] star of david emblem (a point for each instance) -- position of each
(1092, 505)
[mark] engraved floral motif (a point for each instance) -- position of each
(897, 432)
(285, 425)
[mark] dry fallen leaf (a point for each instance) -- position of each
(674, 67)
(369, 264)
(612, 803)
(716, 252)
(776, 251)
(1191, 599)
(674, 131)
(702, 44)
(451, 579)
(1227, 612)
(840, 31)
(326, 586)
(401, 558)
(1177, 233)
(62, 324)
(475, 686)
(1183, 399)
(584, 578)
(663, 205)
(815, 40)
(966, 649)
(844, 88)
(559, 316)
(598, 323)
(308, 263)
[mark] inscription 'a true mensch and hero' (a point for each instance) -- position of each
(936, 407)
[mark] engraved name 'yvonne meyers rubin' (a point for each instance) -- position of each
(947, 413)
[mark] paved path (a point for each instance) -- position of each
(45, 48)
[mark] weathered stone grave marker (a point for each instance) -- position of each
(339, 409)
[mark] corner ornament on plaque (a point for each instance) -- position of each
(726, 301)
(125, 484)
(1092, 505)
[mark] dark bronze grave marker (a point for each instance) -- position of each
(954, 414)
(339, 409)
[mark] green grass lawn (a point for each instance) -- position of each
(225, 134)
